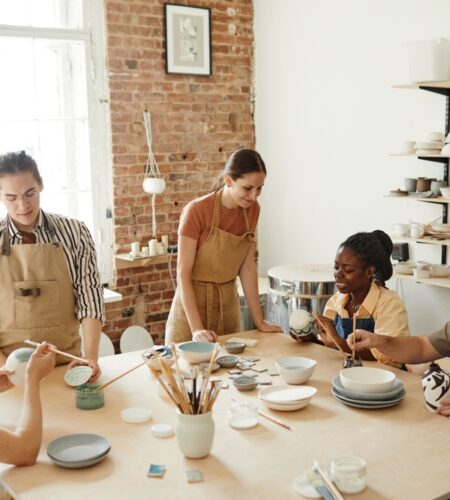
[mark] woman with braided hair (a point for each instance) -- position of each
(362, 267)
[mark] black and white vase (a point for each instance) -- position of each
(436, 386)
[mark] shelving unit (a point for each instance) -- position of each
(124, 261)
(442, 88)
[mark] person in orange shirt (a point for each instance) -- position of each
(362, 267)
(216, 243)
(21, 447)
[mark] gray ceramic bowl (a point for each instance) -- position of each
(245, 383)
(234, 347)
(227, 361)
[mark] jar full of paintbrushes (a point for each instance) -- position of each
(195, 434)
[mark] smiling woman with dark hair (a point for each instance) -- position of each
(361, 269)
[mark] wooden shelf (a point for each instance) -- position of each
(410, 155)
(438, 199)
(445, 84)
(124, 261)
(442, 282)
(427, 241)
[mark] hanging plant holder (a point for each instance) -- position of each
(153, 181)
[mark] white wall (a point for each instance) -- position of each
(327, 119)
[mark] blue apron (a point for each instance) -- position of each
(344, 326)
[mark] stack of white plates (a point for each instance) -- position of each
(366, 400)
(286, 398)
(75, 451)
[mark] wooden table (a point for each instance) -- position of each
(406, 447)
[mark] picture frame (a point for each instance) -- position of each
(188, 39)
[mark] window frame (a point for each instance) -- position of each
(93, 36)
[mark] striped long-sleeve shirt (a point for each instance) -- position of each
(80, 255)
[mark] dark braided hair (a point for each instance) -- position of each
(374, 249)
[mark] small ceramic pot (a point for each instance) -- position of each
(410, 185)
(423, 184)
(234, 347)
(17, 362)
(195, 434)
(227, 361)
(435, 186)
(88, 398)
(416, 230)
(436, 386)
(154, 185)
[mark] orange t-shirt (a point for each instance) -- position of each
(196, 218)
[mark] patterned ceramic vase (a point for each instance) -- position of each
(436, 386)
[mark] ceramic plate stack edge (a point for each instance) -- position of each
(368, 401)
(76, 451)
(286, 398)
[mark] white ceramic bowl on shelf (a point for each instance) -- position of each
(367, 379)
(295, 369)
(445, 191)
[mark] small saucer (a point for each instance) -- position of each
(204, 366)
(304, 487)
(136, 414)
(162, 430)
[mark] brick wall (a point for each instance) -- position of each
(197, 122)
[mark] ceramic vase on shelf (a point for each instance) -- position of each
(195, 434)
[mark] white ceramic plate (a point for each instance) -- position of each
(304, 487)
(366, 406)
(79, 465)
(397, 388)
(78, 375)
(78, 447)
(136, 414)
(290, 407)
(285, 394)
(379, 402)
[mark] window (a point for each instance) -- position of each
(53, 104)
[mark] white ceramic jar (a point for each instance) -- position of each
(416, 230)
(400, 229)
(349, 474)
(195, 434)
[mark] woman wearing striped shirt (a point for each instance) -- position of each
(48, 270)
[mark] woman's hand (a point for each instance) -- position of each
(204, 336)
(444, 408)
(267, 327)
(41, 363)
(5, 383)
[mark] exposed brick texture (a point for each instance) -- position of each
(197, 122)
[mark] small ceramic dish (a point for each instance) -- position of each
(204, 366)
(234, 347)
(295, 369)
(227, 361)
(77, 375)
(367, 379)
(245, 383)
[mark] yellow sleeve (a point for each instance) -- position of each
(330, 308)
(391, 319)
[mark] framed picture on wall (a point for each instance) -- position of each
(188, 39)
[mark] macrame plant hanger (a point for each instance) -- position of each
(153, 181)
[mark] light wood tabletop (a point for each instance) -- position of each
(406, 447)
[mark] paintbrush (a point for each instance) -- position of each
(57, 351)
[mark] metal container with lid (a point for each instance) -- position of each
(293, 287)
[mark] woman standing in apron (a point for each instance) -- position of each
(362, 267)
(216, 243)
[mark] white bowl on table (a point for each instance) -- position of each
(196, 352)
(366, 379)
(295, 369)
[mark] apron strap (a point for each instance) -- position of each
(247, 226)
(216, 213)
(209, 307)
(5, 245)
(49, 226)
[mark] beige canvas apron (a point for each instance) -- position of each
(36, 296)
(214, 273)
